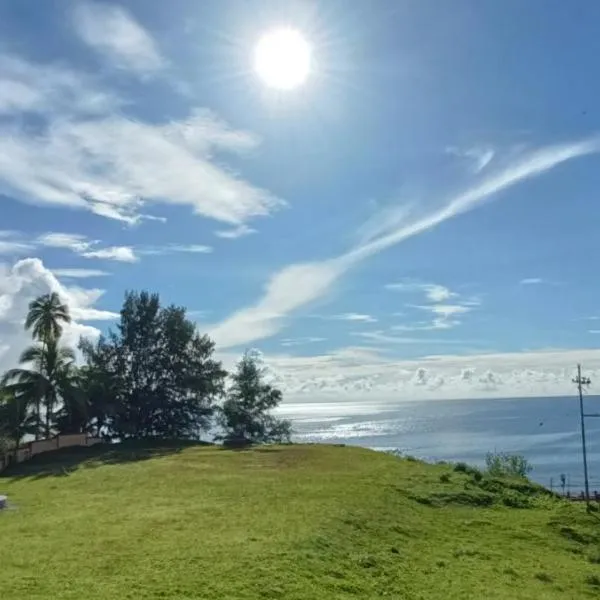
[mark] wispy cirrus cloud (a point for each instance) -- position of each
(302, 341)
(116, 35)
(118, 253)
(80, 245)
(356, 317)
(74, 273)
(18, 243)
(11, 243)
(444, 315)
(299, 284)
(531, 281)
(478, 156)
(384, 337)
(92, 165)
(80, 156)
(235, 232)
(433, 291)
(30, 88)
(173, 248)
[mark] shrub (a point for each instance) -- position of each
(594, 558)
(395, 452)
(445, 477)
(462, 467)
(593, 580)
(502, 464)
(515, 500)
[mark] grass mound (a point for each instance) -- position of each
(296, 522)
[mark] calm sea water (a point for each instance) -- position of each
(545, 430)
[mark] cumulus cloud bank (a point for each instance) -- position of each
(24, 281)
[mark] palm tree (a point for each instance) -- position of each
(16, 419)
(45, 318)
(46, 381)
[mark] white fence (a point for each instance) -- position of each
(31, 449)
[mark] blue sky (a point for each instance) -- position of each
(418, 219)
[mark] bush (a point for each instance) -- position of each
(445, 478)
(462, 467)
(593, 580)
(502, 464)
(514, 500)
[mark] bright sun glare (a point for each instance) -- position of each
(282, 59)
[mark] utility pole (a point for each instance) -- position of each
(581, 381)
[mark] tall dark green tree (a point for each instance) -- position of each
(246, 413)
(163, 378)
(45, 319)
(98, 386)
(72, 414)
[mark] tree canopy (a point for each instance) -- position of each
(246, 414)
(153, 376)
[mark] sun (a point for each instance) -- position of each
(282, 59)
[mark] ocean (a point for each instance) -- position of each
(545, 430)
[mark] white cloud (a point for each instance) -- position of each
(118, 253)
(71, 241)
(479, 156)
(80, 153)
(79, 244)
(236, 232)
(444, 314)
(447, 310)
(433, 291)
(288, 290)
(360, 380)
(93, 165)
(297, 285)
(191, 248)
(10, 243)
(82, 246)
(531, 281)
(438, 293)
(355, 317)
(23, 282)
(288, 342)
(42, 89)
(113, 32)
(444, 317)
(383, 337)
(78, 273)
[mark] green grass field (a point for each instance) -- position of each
(294, 522)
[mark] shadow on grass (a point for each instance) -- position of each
(63, 462)
(250, 447)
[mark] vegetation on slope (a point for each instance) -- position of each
(294, 522)
(154, 376)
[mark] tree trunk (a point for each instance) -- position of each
(38, 400)
(49, 407)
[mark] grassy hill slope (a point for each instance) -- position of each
(295, 522)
